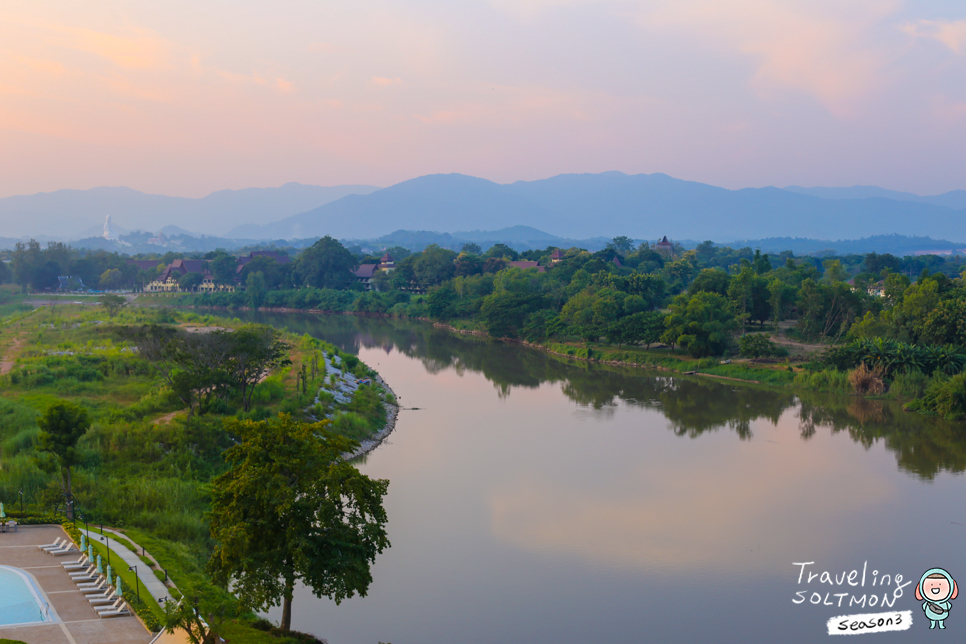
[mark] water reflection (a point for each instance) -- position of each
(693, 406)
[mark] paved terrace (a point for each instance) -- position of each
(79, 624)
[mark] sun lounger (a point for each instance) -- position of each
(117, 604)
(56, 545)
(103, 602)
(116, 613)
(83, 562)
(97, 586)
(86, 572)
(65, 551)
(106, 598)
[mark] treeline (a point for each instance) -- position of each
(699, 300)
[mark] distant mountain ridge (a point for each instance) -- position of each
(73, 214)
(955, 199)
(583, 206)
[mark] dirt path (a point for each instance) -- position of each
(10, 358)
(167, 418)
(795, 346)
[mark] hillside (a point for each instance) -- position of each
(612, 203)
(75, 214)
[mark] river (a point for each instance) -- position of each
(538, 500)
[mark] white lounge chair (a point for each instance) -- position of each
(83, 562)
(115, 613)
(101, 600)
(109, 593)
(68, 549)
(59, 543)
(117, 604)
(94, 588)
(86, 572)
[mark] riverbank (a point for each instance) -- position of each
(671, 364)
(392, 412)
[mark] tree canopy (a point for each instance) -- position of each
(61, 427)
(289, 509)
(326, 264)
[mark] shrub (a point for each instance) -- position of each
(759, 345)
(944, 397)
(867, 381)
(909, 384)
(823, 380)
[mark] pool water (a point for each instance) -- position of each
(19, 601)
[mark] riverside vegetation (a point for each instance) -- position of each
(160, 398)
(695, 307)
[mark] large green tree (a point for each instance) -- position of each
(61, 427)
(327, 264)
(704, 324)
(290, 508)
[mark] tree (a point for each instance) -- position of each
(255, 350)
(470, 247)
(703, 324)
(710, 280)
(433, 266)
(190, 281)
(255, 289)
(506, 312)
(759, 345)
(781, 297)
(621, 244)
(201, 611)
(4, 272)
(326, 264)
(61, 427)
(223, 267)
(199, 367)
(441, 300)
(502, 251)
(761, 263)
(113, 303)
(834, 272)
(877, 263)
(645, 327)
(111, 279)
(290, 508)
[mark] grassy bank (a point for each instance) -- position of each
(144, 464)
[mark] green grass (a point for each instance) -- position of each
(128, 578)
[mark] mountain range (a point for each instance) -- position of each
(582, 206)
(572, 206)
(75, 214)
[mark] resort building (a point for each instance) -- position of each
(365, 272)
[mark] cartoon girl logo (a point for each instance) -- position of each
(936, 590)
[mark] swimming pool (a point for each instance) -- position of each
(20, 601)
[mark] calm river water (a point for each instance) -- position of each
(538, 500)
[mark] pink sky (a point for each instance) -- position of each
(185, 98)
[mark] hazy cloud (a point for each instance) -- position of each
(950, 33)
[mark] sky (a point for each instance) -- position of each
(185, 98)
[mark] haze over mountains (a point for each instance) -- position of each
(75, 214)
(574, 206)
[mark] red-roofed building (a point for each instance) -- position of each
(664, 246)
(167, 281)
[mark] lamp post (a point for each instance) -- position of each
(137, 583)
(87, 526)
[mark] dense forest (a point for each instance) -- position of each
(711, 301)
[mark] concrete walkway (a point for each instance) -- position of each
(147, 577)
(75, 622)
